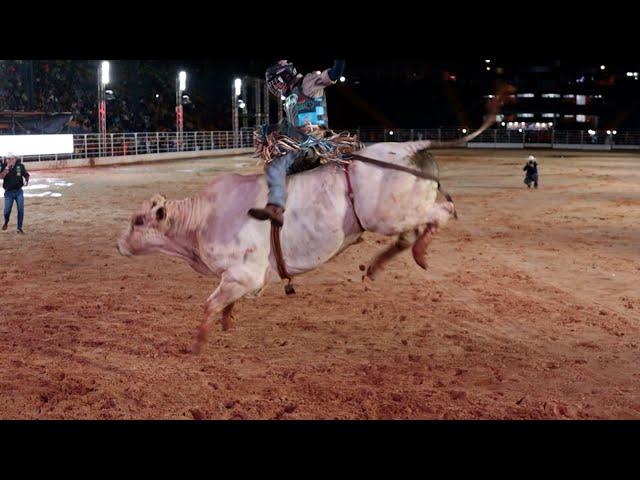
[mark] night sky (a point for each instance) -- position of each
(418, 93)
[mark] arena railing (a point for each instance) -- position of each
(140, 143)
(509, 138)
(119, 144)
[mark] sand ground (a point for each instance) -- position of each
(530, 307)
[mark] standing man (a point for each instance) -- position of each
(532, 172)
(15, 176)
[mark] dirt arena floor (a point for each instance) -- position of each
(530, 308)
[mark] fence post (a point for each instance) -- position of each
(552, 137)
(581, 137)
(86, 153)
(111, 144)
(439, 134)
(135, 139)
(495, 136)
(157, 142)
(211, 143)
(412, 134)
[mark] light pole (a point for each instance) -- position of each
(103, 79)
(235, 93)
(181, 86)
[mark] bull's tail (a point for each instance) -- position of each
(493, 108)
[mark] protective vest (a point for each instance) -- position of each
(302, 110)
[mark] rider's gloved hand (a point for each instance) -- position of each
(337, 70)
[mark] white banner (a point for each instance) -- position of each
(21, 145)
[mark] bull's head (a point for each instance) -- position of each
(147, 229)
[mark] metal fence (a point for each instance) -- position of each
(118, 144)
(506, 138)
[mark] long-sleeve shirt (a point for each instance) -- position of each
(14, 179)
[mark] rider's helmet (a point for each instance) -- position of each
(531, 159)
(280, 78)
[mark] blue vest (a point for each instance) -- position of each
(302, 110)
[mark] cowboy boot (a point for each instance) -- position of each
(270, 212)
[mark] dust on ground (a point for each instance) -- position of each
(530, 307)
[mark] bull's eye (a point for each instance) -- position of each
(154, 204)
(161, 214)
(139, 220)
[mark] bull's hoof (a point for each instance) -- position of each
(420, 256)
(288, 289)
(197, 347)
(370, 273)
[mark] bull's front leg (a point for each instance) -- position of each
(233, 286)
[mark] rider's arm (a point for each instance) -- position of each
(313, 83)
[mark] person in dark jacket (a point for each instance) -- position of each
(531, 176)
(15, 176)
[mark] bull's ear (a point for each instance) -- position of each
(161, 214)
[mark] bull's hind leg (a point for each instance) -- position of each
(404, 241)
(438, 215)
(419, 249)
(233, 286)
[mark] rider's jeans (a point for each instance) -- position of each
(276, 172)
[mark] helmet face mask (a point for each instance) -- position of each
(280, 77)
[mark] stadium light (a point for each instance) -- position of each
(488, 68)
(503, 124)
(237, 83)
(104, 69)
(520, 130)
(608, 132)
(390, 132)
(181, 86)
(103, 79)
(464, 130)
(615, 132)
(551, 124)
(343, 79)
(602, 67)
(488, 61)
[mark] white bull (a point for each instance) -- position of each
(214, 234)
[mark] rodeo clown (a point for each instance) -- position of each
(302, 140)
